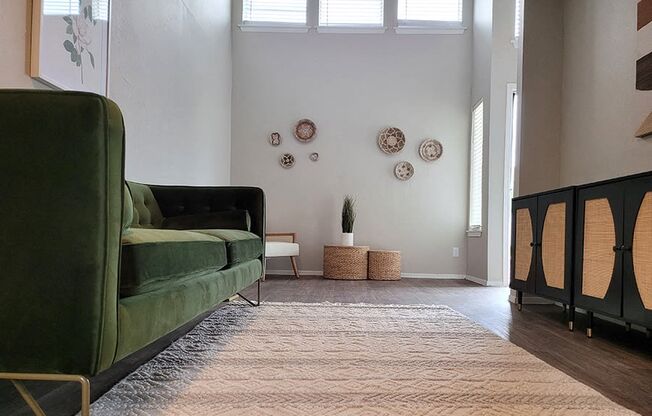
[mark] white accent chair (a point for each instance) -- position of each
(283, 245)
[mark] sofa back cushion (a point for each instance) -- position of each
(146, 213)
(127, 210)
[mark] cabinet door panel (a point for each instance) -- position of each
(523, 260)
(598, 262)
(555, 251)
(637, 261)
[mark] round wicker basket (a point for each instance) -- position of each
(384, 265)
(345, 263)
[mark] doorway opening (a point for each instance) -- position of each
(509, 184)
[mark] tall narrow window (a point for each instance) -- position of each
(60, 7)
(475, 174)
(100, 10)
(517, 19)
(274, 12)
(351, 13)
(425, 12)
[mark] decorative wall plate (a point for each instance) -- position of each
(305, 130)
(287, 160)
(275, 138)
(314, 156)
(391, 140)
(430, 150)
(404, 170)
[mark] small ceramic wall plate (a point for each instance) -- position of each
(287, 160)
(430, 150)
(275, 139)
(305, 130)
(404, 170)
(314, 156)
(391, 140)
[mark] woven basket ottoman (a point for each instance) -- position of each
(384, 265)
(345, 263)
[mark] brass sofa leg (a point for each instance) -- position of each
(17, 378)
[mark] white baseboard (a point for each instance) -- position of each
(405, 275)
(291, 272)
(433, 276)
(483, 282)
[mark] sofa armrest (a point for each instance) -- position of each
(192, 200)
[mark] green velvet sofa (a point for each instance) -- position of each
(93, 268)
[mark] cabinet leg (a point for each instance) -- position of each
(519, 300)
(564, 306)
(628, 327)
(648, 333)
(571, 318)
(589, 324)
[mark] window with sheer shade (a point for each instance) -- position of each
(60, 7)
(475, 186)
(424, 11)
(274, 11)
(351, 13)
(517, 19)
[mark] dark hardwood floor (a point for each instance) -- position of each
(615, 363)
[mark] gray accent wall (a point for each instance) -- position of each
(352, 86)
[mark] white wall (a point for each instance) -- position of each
(494, 66)
(353, 85)
(601, 108)
(170, 73)
(14, 45)
(541, 92)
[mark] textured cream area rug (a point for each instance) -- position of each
(325, 359)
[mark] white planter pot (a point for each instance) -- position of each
(347, 239)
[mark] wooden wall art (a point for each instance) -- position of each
(287, 160)
(275, 139)
(404, 170)
(430, 150)
(305, 130)
(391, 140)
(644, 56)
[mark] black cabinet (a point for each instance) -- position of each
(637, 252)
(588, 246)
(542, 245)
(598, 260)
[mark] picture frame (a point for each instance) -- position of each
(70, 44)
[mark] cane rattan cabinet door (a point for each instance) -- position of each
(598, 258)
(554, 247)
(523, 258)
(637, 252)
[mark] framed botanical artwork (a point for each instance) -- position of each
(70, 44)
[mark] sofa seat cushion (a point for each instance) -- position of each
(241, 245)
(281, 249)
(153, 259)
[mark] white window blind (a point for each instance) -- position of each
(351, 12)
(274, 11)
(60, 7)
(430, 11)
(101, 10)
(475, 186)
(517, 19)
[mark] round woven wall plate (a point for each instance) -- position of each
(314, 156)
(391, 140)
(404, 170)
(287, 160)
(275, 139)
(430, 150)
(305, 130)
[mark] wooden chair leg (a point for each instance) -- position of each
(293, 260)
